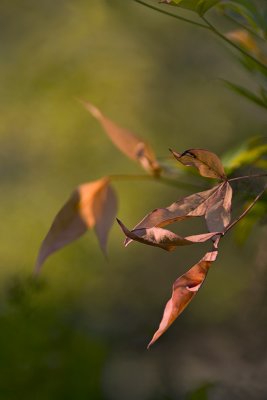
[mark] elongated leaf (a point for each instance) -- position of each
(207, 163)
(218, 214)
(127, 142)
(246, 153)
(245, 12)
(183, 291)
(91, 205)
(163, 238)
(245, 39)
(247, 94)
(191, 206)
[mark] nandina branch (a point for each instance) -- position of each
(245, 212)
(247, 177)
(172, 15)
(160, 179)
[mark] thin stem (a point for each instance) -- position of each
(220, 35)
(172, 15)
(247, 177)
(244, 213)
(160, 179)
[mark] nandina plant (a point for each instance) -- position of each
(93, 205)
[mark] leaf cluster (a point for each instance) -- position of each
(93, 205)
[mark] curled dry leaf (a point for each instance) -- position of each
(218, 214)
(163, 238)
(127, 142)
(194, 205)
(183, 291)
(207, 163)
(91, 205)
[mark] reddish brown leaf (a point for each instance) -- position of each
(191, 206)
(163, 238)
(218, 214)
(207, 163)
(183, 291)
(91, 205)
(127, 142)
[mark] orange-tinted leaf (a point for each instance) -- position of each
(207, 163)
(218, 214)
(183, 291)
(245, 39)
(191, 206)
(127, 142)
(163, 238)
(91, 205)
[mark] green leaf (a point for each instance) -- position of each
(246, 12)
(247, 94)
(246, 153)
(205, 5)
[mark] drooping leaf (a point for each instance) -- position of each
(127, 142)
(207, 163)
(218, 214)
(91, 205)
(191, 206)
(163, 238)
(183, 291)
(255, 98)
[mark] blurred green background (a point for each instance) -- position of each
(81, 330)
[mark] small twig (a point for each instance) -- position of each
(160, 179)
(232, 44)
(244, 213)
(172, 15)
(247, 177)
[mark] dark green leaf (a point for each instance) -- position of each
(247, 94)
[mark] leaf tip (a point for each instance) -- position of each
(94, 111)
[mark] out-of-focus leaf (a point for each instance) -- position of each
(246, 153)
(91, 205)
(191, 206)
(163, 238)
(247, 94)
(199, 6)
(207, 163)
(218, 214)
(127, 142)
(183, 291)
(245, 39)
(245, 12)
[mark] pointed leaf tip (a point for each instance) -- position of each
(127, 142)
(183, 291)
(164, 238)
(91, 205)
(207, 163)
(194, 205)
